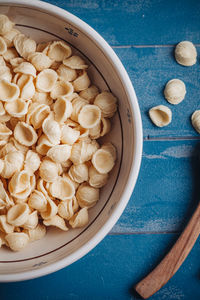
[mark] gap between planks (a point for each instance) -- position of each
(147, 46)
(173, 138)
(144, 232)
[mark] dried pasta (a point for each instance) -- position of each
(160, 115)
(186, 53)
(175, 91)
(51, 165)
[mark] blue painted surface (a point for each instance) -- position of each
(168, 188)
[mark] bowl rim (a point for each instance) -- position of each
(138, 144)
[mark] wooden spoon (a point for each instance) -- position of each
(173, 260)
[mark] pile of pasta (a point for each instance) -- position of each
(51, 165)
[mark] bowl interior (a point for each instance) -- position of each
(43, 26)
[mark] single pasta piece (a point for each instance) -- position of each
(79, 173)
(21, 185)
(69, 135)
(61, 89)
(4, 225)
(25, 134)
(75, 62)
(103, 161)
(52, 130)
(186, 53)
(17, 240)
(40, 60)
(66, 74)
(13, 162)
(160, 115)
(175, 91)
(66, 209)
(59, 50)
(56, 221)
(8, 91)
(43, 145)
(97, 179)
(9, 36)
(5, 73)
(62, 188)
(89, 116)
(107, 103)
(10, 54)
(24, 45)
(46, 80)
(86, 195)
(49, 170)
(32, 162)
(195, 119)
(26, 68)
(82, 82)
(60, 153)
(17, 108)
(80, 219)
(38, 201)
(5, 24)
(62, 110)
(3, 46)
(18, 214)
(51, 210)
(90, 93)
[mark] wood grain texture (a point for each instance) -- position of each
(109, 272)
(173, 260)
(139, 22)
(167, 189)
(149, 70)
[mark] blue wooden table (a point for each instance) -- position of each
(143, 34)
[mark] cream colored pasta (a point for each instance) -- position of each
(61, 89)
(4, 225)
(66, 209)
(52, 130)
(32, 221)
(40, 60)
(175, 91)
(66, 74)
(50, 211)
(3, 46)
(186, 53)
(97, 179)
(90, 93)
(18, 214)
(103, 161)
(5, 73)
(83, 151)
(56, 221)
(107, 103)
(9, 37)
(69, 135)
(25, 134)
(62, 188)
(80, 219)
(50, 118)
(59, 153)
(32, 162)
(24, 45)
(62, 110)
(75, 62)
(59, 50)
(46, 80)
(26, 68)
(49, 170)
(82, 82)
(160, 115)
(5, 24)
(8, 91)
(195, 119)
(36, 233)
(17, 108)
(89, 116)
(79, 173)
(17, 240)
(38, 201)
(86, 195)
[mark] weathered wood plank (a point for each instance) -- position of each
(149, 70)
(139, 22)
(110, 270)
(167, 189)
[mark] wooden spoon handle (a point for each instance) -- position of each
(173, 260)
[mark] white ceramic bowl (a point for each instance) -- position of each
(58, 249)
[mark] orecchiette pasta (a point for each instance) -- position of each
(195, 119)
(175, 91)
(51, 166)
(160, 115)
